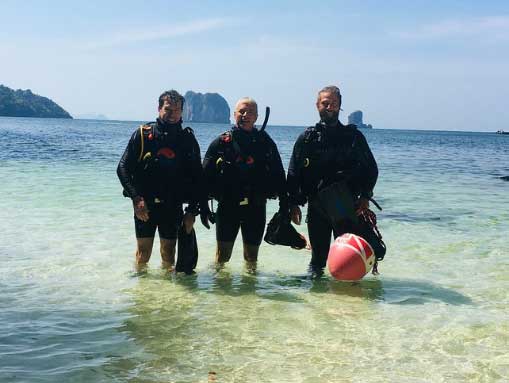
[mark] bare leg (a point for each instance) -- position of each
(251, 256)
(143, 252)
(168, 253)
(223, 252)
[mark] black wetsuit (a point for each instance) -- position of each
(243, 169)
(162, 164)
(322, 156)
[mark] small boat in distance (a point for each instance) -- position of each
(502, 132)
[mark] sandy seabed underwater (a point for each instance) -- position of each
(73, 310)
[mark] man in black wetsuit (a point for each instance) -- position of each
(160, 170)
(327, 154)
(242, 169)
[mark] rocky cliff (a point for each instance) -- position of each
(23, 103)
(208, 107)
(356, 119)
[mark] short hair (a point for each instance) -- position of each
(247, 100)
(330, 89)
(171, 96)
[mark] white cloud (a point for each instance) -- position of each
(151, 33)
(491, 28)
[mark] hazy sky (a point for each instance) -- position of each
(405, 64)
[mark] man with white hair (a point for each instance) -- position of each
(243, 169)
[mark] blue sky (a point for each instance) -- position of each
(405, 64)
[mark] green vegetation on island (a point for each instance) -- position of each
(24, 103)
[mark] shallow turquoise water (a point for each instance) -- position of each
(72, 310)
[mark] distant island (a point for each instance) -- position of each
(91, 117)
(24, 103)
(208, 107)
(356, 119)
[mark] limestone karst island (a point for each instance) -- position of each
(208, 107)
(356, 119)
(199, 107)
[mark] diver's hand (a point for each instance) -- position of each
(206, 216)
(295, 214)
(362, 205)
(188, 222)
(140, 209)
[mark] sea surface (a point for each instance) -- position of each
(72, 309)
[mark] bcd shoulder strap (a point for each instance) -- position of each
(354, 133)
(229, 147)
(267, 144)
(311, 134)
(187, 134)
(148, 130)
(313, 140)
(188, 130)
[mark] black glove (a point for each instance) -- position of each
(206, 216)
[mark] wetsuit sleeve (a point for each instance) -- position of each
(200, 197)
(368, 167)
(127, 165)
(293, 179)
(209, 165)
(279, 176)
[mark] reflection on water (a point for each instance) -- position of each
(408, 292)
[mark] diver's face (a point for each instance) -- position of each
(328, 105)
(245, 115)
(170, 112)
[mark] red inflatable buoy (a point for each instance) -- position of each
(350, 258)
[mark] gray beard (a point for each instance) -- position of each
(329, 118)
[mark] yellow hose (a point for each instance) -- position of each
(140, 157)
